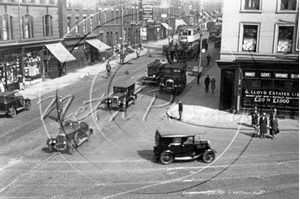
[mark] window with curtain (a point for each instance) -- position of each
(84, 24)
(47, 26)
(84, 4)
(91, 25)
(252, 4)
(68, 24)
(250, 38)
(7, 27)
(285, 39)
(77, 25)
(288, 4)
(27, 25)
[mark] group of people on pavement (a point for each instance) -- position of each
(210, 81)
(261, 125)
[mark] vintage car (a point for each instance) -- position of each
(155, 71)
(174, 79)
(70, 136)
(170, 146)
(123, 94)
(11, 102)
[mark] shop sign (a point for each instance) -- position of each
(265, 74)
(249, 74)
(295, 76)
(270, 98)
(281, 75)
(147, 12)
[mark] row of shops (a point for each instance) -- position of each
(267, 84)
(23, 63)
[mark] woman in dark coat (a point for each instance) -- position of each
(254, 117)
(273, 125)
(263, 123)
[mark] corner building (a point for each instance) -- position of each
(259, 58)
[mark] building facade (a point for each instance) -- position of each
(26, 28)
(259, 58)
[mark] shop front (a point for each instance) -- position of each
(166, 30)
(54, 60)
(96, 49)
(265, 84)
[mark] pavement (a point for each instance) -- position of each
(199, 108)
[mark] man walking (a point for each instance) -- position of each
(254, 117)
(60, 109)
(207, 82)
(273, 126)
(208, 57)
(180, 109)
(108, 68)
(213, 84)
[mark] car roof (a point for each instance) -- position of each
(5, 93)
(125, 84)
(171, 134)
(176, 65)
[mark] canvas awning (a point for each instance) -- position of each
(167, 26)
(60, 52)
(182, 22)
(98, 44)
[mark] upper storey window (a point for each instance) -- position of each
(288, 4)
(27, 25)
(285, 39)
(7, 27)
(250, 38)
(252, 4)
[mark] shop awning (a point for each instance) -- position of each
(98, 44)
(60, 52)
(167, 26)
(182, 22)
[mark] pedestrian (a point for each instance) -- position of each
(60, 108)
(207, 82)
(213, 84)
(263, 123)
(108, 68)
(273, 126)
(254, 122)
(208, 57)
(2, 88)
(180, 109)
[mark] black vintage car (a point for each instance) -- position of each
(11, 102)
(70, 136)
(170, 146)
(155, 71)
(123, 94)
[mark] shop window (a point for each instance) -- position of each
(250, 38)
(84, 24)
(288, 4)
(7, 27)
(68, 24)
(32, 64)
(47, 26)
(252, 4)
(285, 39)
(77, 25)
(27, 24)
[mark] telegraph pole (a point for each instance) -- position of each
(201, 31)
(122, 55)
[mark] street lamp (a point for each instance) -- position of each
(200, 50)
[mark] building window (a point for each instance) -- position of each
(47, 26)
(7, 27)
(285, 39)
(68, 24)
(91, 24)
(24, 1)
(68, 3)
(105, 17)
(52, 2)
(288, 4)
(252, 5)
(117, 17)
(112, 17)
(99, 17)
(77, 25)
(27, 25)
(84, 24)
(42, 1)
(250, 38)
(31, 1)
(84, 4)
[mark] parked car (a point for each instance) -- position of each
(217, 44)
(170, 146)
(11, 102)
(70, 136)
(123, 94)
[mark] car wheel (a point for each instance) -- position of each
(13, 112)
(208, 156)
(76, 140)
(166, 158)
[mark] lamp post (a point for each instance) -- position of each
(200, 50)
(122, 57)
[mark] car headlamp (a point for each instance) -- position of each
(153, 75)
